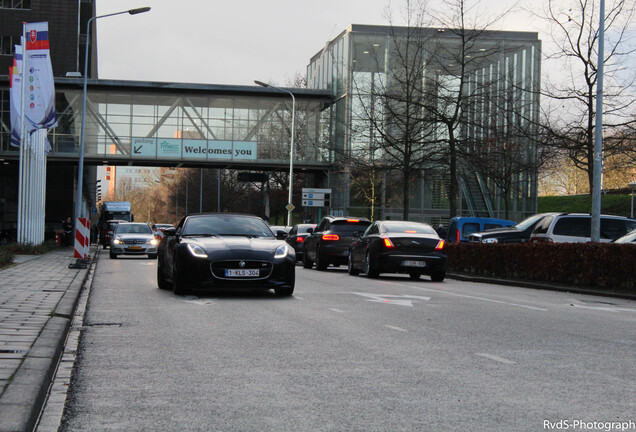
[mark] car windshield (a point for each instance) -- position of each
(408, 228)
(133, 229)
(527, 223)
(629, 238)
(303, 228)
(349, 227)
(225, 225)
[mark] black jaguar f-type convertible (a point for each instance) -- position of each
(222, 251)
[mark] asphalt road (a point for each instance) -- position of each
(348, 354)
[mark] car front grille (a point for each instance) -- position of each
(264, 267)
(135, 241)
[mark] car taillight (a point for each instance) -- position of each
(387, 242)
(353, 220)
(331, 237)
(440, 245)
(300, 239)
(541, 240)
(456, 236)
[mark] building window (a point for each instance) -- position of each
(6, 44)
(15, 4)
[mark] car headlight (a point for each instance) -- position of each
(197, 251)
(117, 241)
(281, 251)
(152, 242)
(490, 240)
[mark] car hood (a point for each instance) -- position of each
(235, 246)
(134, 236)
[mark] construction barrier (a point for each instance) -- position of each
(82, 238)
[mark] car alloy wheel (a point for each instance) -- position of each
(370, 270)
(352, 271)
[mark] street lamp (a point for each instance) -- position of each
(80, 167)
(291, 150)
(632, 186)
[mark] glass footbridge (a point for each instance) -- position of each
(178, 124)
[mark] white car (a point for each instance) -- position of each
(133, 238)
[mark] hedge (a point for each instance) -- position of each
(603, 266)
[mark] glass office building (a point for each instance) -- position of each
(492, 79)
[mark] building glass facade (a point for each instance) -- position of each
(498, 80)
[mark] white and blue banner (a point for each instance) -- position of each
(40, 87)
(176, 148)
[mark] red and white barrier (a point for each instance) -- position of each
(82, 238)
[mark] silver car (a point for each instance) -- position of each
(133, 238)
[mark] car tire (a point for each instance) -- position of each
(371, 271)
(352, 271)
(438, 276)
(321, 263)
(162, 282)
(415, 276)
(178, 287)
(306, 262)
(112, 255)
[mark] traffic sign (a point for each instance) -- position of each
(315, 196)
(314, 203)
(314, 190)
(290, 207)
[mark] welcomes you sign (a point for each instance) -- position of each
(194, 149)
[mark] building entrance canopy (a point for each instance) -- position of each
(169, 124)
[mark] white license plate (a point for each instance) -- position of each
(242, 273)
(409, 263)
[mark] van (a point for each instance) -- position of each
(460, 228)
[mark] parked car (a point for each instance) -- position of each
(296, 238)
(329, 243)
(460, 228)
(576, 228)
(280, 231)
(627, 238)
(158, 229)
(219, 251)
(518, 233)
(133, 238)
(398, 247)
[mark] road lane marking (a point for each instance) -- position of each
(399, 300)
(478, 298)
(336, 310)
(496, 358)
(603, 308)
(400, 329)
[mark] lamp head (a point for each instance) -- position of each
(139, 10)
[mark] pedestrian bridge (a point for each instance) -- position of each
(178, 124)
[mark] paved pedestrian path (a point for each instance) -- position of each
(37, 299)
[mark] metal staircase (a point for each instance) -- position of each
(475, 192)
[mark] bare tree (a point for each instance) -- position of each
(569, 114)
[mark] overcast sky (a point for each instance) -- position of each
(236, 41)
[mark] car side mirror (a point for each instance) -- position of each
(169, 232)
(281, 235)
(310, 230)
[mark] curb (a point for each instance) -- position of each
(540, 286)
(25, 396)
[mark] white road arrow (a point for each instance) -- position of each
(400, 300)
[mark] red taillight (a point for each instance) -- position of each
(456, 236)
(353, 220)
(440, 245)
(331, 237)
(541, 240)
(300, 239)
(387, 242)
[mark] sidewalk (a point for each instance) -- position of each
(37, 298)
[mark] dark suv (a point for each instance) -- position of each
(329, 242)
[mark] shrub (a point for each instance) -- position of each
(604, 266)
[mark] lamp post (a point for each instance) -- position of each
(632, 186)
(80, 166)
(291, 150)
